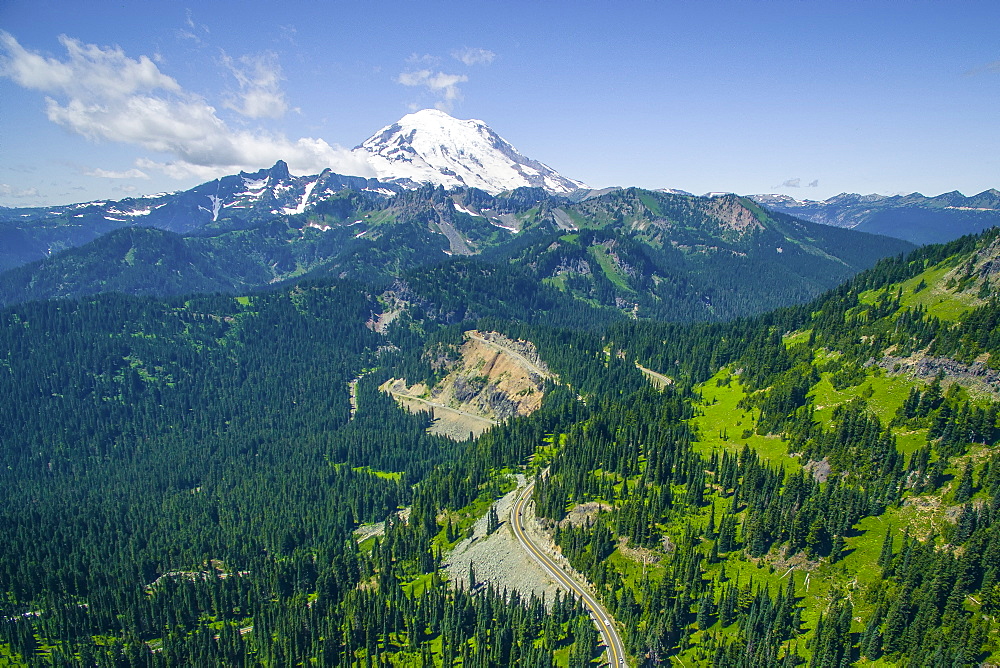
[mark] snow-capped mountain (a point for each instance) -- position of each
(241, 199)
(429, 146)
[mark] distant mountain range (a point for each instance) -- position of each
(431, 147)
(914, 217)
(232, 202)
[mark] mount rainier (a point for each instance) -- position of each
(429, 146)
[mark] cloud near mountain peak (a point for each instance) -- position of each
(103, 94)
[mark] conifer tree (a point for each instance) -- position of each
(964, 489)
(492, 520)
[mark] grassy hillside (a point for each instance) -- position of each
(813, 500)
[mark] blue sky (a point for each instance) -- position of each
(111, 99)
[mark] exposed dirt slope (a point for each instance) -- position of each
(494, 378)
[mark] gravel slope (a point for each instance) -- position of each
(500, 560)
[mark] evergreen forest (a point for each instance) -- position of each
(183, 476)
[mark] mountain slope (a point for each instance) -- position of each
(430, 146)
(180, 447)
(817, 502)
(680, 257)
(131, 261)
(630, 253)
(913, 217)
(792, 498)
(148, 261)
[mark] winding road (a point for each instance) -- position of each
(443, 407)
(658, 379)
(605, 624)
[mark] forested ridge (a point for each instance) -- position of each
(181, 478)
(628, 253)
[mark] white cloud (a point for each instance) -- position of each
(988, 67)
(18, 193)
(127, 174)
(439, 83)
(287, 33)
(250, 152)
(259, 79)
(102, 94)
(89, 72)
(471, 56)
(195, 28)
(443, 85)
(426, 60)
(797, 183)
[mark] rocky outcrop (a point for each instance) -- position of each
(976, 376)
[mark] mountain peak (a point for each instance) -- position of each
(280, 171)
(433, 113)
(431, 146)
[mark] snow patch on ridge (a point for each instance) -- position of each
(217, 204)
(462, 209)
(305, 198)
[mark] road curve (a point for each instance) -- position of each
(658, 380)
(605, 624)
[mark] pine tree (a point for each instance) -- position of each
(492, 520)
(885, 557)
(705, 610)
(838, 548)
(964, 490)
(710, 527)
(871, 640)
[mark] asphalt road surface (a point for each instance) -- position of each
(604, 622)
